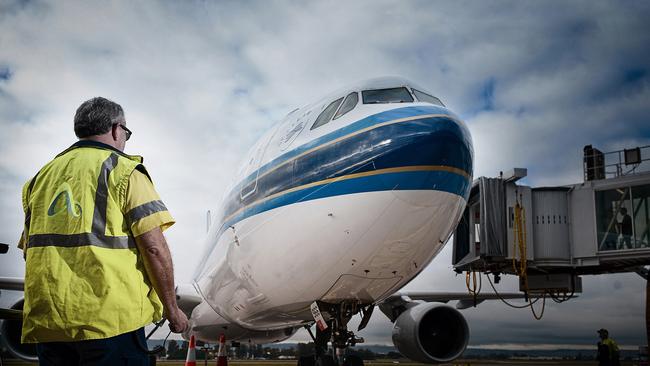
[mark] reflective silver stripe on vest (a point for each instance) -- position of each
(97, 237)
(101, 195)
(145, 210)
(80, 240)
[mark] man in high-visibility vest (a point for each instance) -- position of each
(608, 352)
(98, 268)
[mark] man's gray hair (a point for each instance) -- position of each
(96, 117)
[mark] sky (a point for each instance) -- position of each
(200, 81)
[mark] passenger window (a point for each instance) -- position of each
(424, 97)
(392, 95)
(327, 114)
(348, 105)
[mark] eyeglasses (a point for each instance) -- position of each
(128, 132)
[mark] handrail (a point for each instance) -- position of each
(602, 165)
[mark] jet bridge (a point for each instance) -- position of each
(549, 236)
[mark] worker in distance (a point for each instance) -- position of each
(608, 352)
(98, 268)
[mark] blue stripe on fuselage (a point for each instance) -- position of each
(410, 180)
(375, 119)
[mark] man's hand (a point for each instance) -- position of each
(158, 263)
(177, 321)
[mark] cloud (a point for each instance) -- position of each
(201, 81)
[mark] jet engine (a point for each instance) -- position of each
(431, 333)
(10, 331)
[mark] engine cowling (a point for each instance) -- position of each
(11, 331)
(431, 333)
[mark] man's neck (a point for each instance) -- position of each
(104, 139)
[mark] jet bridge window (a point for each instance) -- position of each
(348, 104)
(392, 95)
(623, 218)
(424, 97)
(326, 115)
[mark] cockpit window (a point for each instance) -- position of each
(392, 95)
(348, 104)
(326, 115)
(424, 97)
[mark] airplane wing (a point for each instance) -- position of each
(187, 298)
(445, 297)
(11, 314)
(15, 284)
(12, 283)
(395, 303)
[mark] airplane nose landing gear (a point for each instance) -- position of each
(337, 333)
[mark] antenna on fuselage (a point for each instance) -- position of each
(208, 222)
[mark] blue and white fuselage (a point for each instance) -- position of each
(343, 201)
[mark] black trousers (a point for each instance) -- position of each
(124, 349)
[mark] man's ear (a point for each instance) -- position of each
(114, 131)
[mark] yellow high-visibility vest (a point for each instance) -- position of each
(84, 278)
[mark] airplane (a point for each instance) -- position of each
(334, 210)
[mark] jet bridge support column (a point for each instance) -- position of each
(644, 272)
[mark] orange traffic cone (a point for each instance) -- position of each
(191, 353)
(222, 359)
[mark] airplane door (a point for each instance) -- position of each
(253, 166)
(250, 187)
